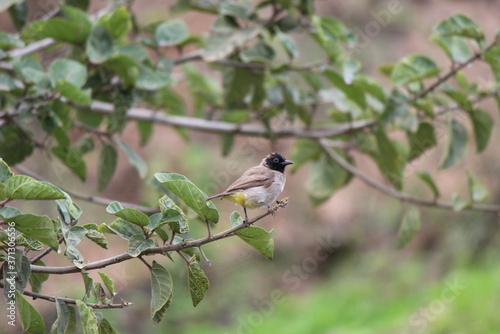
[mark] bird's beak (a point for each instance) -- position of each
(287, 162)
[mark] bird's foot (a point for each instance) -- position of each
(270, 209)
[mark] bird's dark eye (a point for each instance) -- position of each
(276, 160)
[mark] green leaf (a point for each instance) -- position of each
(351, 92)
(9, 212)
(64, 318)
(118, 23)
(427, 178)
(151, 80)
(73, 159)
(108, 159)
(82, 4)
(398, 111)
(8, 84)
(255, 236)
(477, 190)
(97, 237)
(413, 68)
(492, 57)
(238, 10)
(172, 215)
(25, 187)
(133, 158)
(197, 281)
(161, 291)
(223, 41)
(325, 177)
(458, 203)
(99, 45)
(108, 282)
(456, 146)
(4, 4)
(260, 52)
(30, 70)
(36, 279)
(190, 194)
(74, 94)
(422, 140)
(456, 48)
(482, 123)
(15, 145)
(31, 321)
(69, 71)
(74, 29)
(171, 33)
(138, 243)
(145, 131)
(125, 66)
(132, 215)
(17, 270)
(89, 320)
(459, 25)
(29, 242)
(409, 227)
(390, 159)
(8, 41)
(122, 228)
(18, 12)
(289, 45)
(105, 327)
(5, 172)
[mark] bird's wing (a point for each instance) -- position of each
(253, 177)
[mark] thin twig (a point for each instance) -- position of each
(398, 194)
(36, 295)
(156, 250)
(451, 73)
(89, 198)
(144, 261)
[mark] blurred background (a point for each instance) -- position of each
(336, 268)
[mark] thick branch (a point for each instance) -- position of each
(70, 300)
(148, 115)
(156, 250)
(398, 194)
(89, 198)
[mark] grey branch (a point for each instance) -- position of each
(148, 115)
(70, 300)
(156, 250)
(398, 194)
(89, 198)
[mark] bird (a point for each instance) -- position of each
(258, 186)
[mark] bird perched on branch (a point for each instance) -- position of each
(259, 186)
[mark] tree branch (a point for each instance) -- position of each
(148, 115)
(451, 73)
(157, 250)
(398, 194)
(70, 300)
(89, 198)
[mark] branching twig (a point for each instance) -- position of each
(156, 250)
(450, 74)
(88, 198)
(398, 194)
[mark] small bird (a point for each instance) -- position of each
(259, 186)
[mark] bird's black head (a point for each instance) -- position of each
(276, 161)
